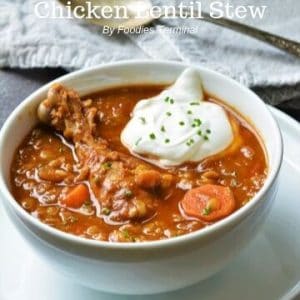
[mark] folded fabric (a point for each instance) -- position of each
(28, 41)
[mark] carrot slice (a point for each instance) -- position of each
(209, 202)
(77, 196)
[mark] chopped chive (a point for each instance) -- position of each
(152, 136)
(208, 131)
(107, 165)
(138, 141)
(181, 123)
(198, 122)
(189, 112)
(105, 211)
(206, 211)
(199, 132)
(167, 141)
(128, 193)
(169, 100)
(194, 103)
(143, 120)
(126, 234)
(206, 138)
(162, 129)
(168, 114)
(190, 142)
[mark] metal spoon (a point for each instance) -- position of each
(134, 8)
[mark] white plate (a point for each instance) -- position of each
(268, 269)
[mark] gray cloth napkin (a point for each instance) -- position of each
(27, 41)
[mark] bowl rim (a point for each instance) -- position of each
(238, 215)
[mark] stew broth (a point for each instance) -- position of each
(46, 167)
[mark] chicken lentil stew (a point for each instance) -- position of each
(73, 172)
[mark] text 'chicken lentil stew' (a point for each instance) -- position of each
(137, 163)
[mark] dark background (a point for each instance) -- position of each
(17, 84)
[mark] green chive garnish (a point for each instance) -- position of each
(168, 114)
(126, 234)
(189, 112)
(128, 193)
(199, 132)
(206, 138)
(167, 141)
(198, 122)
(162, 129)
(169, 100)
(143, 120)
(190, 142)
(181, 123)
(105, 211)
(194, 103)
(206, 211)
(208, 131)
(138, 141)
(152, 136)
(107, 165)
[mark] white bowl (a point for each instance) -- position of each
(152, 267)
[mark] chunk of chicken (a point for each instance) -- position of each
(125, 185)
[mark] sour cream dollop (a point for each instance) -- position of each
(177, 126)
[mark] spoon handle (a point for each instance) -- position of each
(287, 45)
